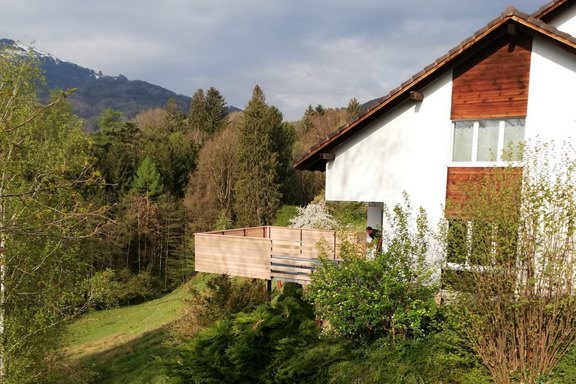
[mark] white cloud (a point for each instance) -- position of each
(300, 52)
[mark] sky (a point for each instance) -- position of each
(300, 52)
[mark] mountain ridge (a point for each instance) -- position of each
(96, 92)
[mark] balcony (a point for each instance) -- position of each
(270, 253)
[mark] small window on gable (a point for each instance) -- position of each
(484, 141)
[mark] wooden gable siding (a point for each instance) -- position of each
(493, 84)
(465, 182)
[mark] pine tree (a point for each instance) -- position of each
(258, 186)
(147, 180)
(171, 146)
(354, 109)
(117, 151)
(208, 114)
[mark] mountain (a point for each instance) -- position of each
(96, 92)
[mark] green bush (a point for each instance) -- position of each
(389, 296)
(109, 288)
(239, 350)
(220, 300)
(284, 214)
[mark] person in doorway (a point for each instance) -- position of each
(370, 234)
(375, 240)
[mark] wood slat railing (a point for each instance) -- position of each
(267, 252)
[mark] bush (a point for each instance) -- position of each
(390, 296)
(239, 350)
(222, 298)
(284, 215)
(109, 288)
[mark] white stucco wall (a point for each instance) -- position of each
(407, 150)
(566, 22)
(551, 102)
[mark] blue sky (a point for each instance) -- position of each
(300, 52)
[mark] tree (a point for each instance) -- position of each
(147, 179)
(239, 350)
(210, 193)
(170, 144)
(44, 171)
(117, 149)
(258, 187)
(208, 114)
(514, 291)
(354, 110)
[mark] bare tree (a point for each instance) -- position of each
(210, 193)
(513, 265)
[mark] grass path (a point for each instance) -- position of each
(121, 344)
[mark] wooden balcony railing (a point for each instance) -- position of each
(289, 254)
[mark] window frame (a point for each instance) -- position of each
(472, 239)
(475, 135)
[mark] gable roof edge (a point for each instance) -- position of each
(394, 97)
(551, 9)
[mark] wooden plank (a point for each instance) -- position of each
(494, 84)
(265, 275)
(254, 270)
(234, 270)
(222, 264)
(279, 233)
(306, 263)
(220, 257)
(260, 232)
(290, 269)
(217, 258)
(280, 275)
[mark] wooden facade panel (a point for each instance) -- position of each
(463, 182)
(494, 84)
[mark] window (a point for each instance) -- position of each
(477, 243)
(487, 140)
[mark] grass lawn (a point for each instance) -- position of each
(123, 344)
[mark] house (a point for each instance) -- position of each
(510, 81)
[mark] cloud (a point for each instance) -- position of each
(300, 52)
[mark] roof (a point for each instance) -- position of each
(314, 159)
(552, 9)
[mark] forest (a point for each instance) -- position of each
(90, 221)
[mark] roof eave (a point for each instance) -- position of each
(312, 160)
(550, 10)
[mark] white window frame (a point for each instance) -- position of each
(475, 128)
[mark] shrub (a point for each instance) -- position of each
(239, 349)
(222, 298)
(109, 288)
(390, 295)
